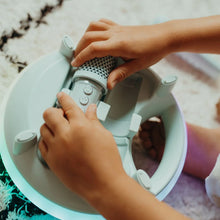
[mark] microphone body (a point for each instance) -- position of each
(89, 82)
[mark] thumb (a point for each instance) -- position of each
(121, 72)
(70, 108)
(91, 112)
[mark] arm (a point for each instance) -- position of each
(143, 46)
(199, 35)
(89, 164)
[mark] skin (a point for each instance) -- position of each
(203, 150)
(203, 146)
(88, 162)
(143, 46)
(105, 37)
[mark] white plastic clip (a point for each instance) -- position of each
(67, 47)
(143, 179)
(24, 141)
(102, 110)
(166, 85)
(135, 124)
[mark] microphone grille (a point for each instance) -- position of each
(101, 66)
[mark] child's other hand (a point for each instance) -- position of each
(78, 149)
(139, 46)
(152, 135)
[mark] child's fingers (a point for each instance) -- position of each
(107, 21)
(98, 26)
(88, 38)
(121, 72)
(95, 49)
(91, 112)
(54, 118)
(70, 108)
(46, 133)
(43, 149)
(144, 135)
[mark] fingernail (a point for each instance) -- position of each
(113, 84)
(93, 107)
(73, 63)
(59, 95)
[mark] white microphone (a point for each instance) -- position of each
(89, 82)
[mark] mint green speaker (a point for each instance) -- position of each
(122, 110)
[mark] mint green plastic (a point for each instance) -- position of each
(35, 90)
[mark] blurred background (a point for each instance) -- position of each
(30, 29)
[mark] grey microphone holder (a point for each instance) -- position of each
(122, 110)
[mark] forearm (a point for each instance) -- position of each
(124, 198)
(143, 46)
(199, 35)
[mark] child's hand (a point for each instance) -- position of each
(84, 156)
(152, 135)
(139, 46)
(78, 149)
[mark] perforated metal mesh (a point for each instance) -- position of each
(101, 66)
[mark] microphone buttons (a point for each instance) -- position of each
(88, 90)
(83, 100)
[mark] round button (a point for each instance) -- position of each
(24, 141)
(84, 100)
(88, 90)
(25, 136)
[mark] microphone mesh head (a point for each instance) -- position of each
(101, 66)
